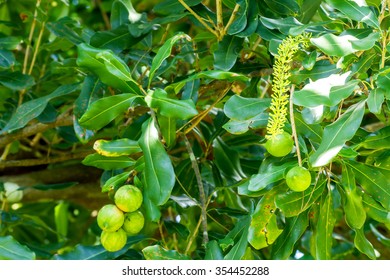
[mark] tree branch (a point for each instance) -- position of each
(62, 120)
(43, 161)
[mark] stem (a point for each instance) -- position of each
(30, 37)
(232, 17)
(202, 196)
(384, 50)
(6, 152)
(37, 48)
(162, 234)
(188, 8)
(293, 128)
(192, 238)
(220, 29)
(104, 15)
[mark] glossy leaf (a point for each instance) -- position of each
(294, 203)
(170, 107)
(211, 74)
(122, 12)
(115, 148)
(115, 65)
(342, 130)
(344, 44)
(108, 163)
(152, 211)
(313, 132)
(11, 249)
(241, 18)
(33, 108)
(226, 55)
(173, 6)
(9, 42)
(363, 245)
(168, 130)
(271, 174)
(327, 91)
(325, 226)
(355, 12)
(7, 59)
(240, 237)
(242, 108)
(156, 252)
(373, 182)
(103, 111)
(263, 230)
(82, 252)
(115, 182)
(213, 251)
(294, 229)
(283, 7)
(158, 174)
(375, 100)
(379, 140)
(309, 8)
(65, 28)
(375, 210)
(320, 70)
(164, 52)
(355, 215)
(61, 220)
(16, 80)
(87, 57)
(241, 126)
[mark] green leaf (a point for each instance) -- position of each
(241, 18)
(241, 126)
(320, 70)
(103, 111)
(123, 12)
(325, 226)
(11, 249)
(381, 238)
(153, 213)
(342, 130)
(226, 55)
(263, 230)
(326, 91)
(355, 12)
(65, 28)
(82, 252)
(108, 163)
(211, 74)
(16, 80)
(164, 52)
(363, 245)
(177, 228)
(168, 130)
(169, 107)
(283, 7)
(33, 108)
(7, 59)
(213, 251)
(294, 203)
(87, 57)
(58, 186)
(173, 6)
(115, 182)
(115, 148)
(156, 252)
(378, 140)
(313, 132)
(344, 44)
(240, 235)
(375, 100)
(115, 65)
(308, 9)
(9, 42)
(242, 108)
(227, 160)
(61, 220)
(375, 210)
(294, 229)
(158, 174)
(271, 174)
(373, 182)
(355, 215)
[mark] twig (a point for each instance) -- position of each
(293, 128)
(218, 4)
(62, 120)
(202, 196)
(232, 18)
(36, 47)
(43, 161)
(104, 15)
(188, 8)
(192, 238)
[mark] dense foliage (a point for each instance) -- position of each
(179, 99)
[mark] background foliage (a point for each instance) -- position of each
(177, 99)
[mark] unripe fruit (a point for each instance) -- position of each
(128, 198)
(280, 145)
(110, 218)
(113, 241)
(134, 222)
(12, 193)
(298, 179)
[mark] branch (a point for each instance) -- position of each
(62, 120)
(232, 18)
(293, 128)
(202, 196)
(43, 161)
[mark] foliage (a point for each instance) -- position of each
(174, 97)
